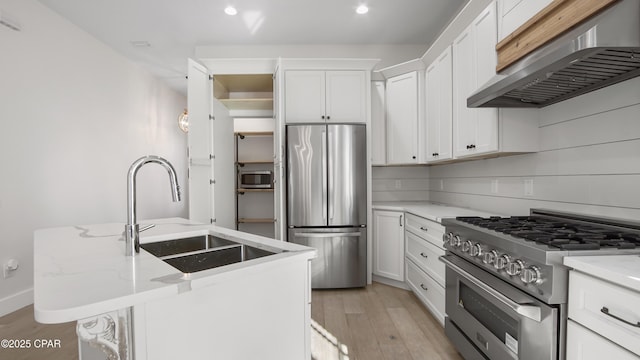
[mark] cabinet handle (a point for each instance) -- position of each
(401, 220)
(424, 287)
(605, 311)
(322, 116)
(423, 228)
(413, 157)
(328, 117)
(472, 146)
(424, 255)
(468, 146)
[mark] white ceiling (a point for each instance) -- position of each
(174, 28)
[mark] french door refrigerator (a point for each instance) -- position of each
(326, 200)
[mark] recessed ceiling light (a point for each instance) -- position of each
(362, 9)
(230, 10)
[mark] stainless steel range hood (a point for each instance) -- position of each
(601, 51)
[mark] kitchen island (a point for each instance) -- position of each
(141, 307)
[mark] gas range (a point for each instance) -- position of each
(527, 251)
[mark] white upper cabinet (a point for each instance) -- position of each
(325, 96)
(480, 131)
(513, 13)
(439, 108)
(402, 119)
(378, 124)
(475, 131)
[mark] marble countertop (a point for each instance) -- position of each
(82, 271)
(623, 270)
(430, 210)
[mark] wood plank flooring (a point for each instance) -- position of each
(378, 322)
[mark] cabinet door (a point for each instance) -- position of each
(346, 97)
(200, 138)
(388, 244)
(378, 133)
(485, 60)
(583, 344)
(304, 99)
(464, 121)
(402, 119)
(439, 108)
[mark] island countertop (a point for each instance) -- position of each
(82, 271)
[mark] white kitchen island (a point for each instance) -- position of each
(256, 309)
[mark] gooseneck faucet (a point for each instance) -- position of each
(132, 229)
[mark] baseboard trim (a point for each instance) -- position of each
(390, 282)
(16, 301)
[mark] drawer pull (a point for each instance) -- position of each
(423, 228)
(605, 311)
(424, 255)
(424, 287)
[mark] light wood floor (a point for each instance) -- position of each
(376, 322)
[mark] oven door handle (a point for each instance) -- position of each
(528, 311)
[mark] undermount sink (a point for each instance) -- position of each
(204, 252)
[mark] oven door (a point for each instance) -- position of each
(501, 321)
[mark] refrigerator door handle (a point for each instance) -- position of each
(330, 175)
(327, 235)
(324, 175)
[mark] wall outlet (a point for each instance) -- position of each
(9, 268)
(441, 184)
(494, 186)
(528, 187)
(398, 184)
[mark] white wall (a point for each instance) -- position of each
(388, 54)
(589, 162)
(400, 183)
(74, 116)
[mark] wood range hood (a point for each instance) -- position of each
(570, 48)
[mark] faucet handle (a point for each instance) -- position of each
(146, 227)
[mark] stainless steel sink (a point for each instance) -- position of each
(204, 252)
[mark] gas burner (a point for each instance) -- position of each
(565, 235)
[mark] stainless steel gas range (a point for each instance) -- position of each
(506, 287)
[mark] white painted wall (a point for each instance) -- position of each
(388, 54)
(74, 115)
(400, 183)
(589, 162)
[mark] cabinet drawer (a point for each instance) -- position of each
(427, 290)
(425, 255)
(590, 298)
(426, 229)
(584, 344)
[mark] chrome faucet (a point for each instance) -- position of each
(132, 229)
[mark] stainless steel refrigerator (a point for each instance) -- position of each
(327, 200)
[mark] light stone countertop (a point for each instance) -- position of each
(81, 271)
(623, 270)
(430, 210)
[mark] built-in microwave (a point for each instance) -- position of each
(256, 179)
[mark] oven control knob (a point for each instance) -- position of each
(501, 262)
(531, 275)
(515, 267)
(466, 246)
(476, 250)
(446, 238)
(490, 257)
(455, 241)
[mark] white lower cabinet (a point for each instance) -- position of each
(425, 272)
(603, 319)
(388, 244)
(584, 344)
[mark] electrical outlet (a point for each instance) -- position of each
(528, 187)
(441, 184)
(494, 186)
(398, 184)
(9, 268)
